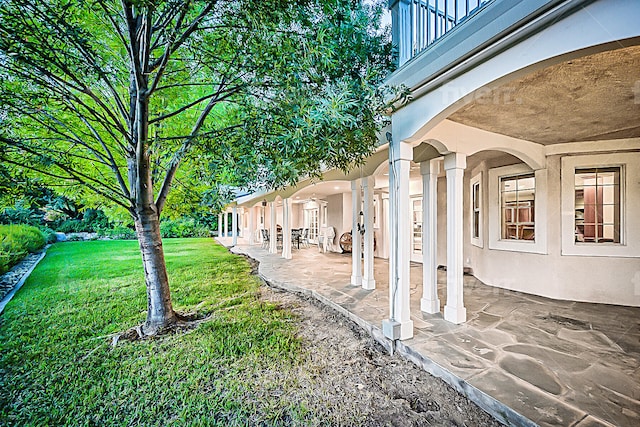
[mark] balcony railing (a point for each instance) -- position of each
(417, 24)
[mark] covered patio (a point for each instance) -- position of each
(523, 358)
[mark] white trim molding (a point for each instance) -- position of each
(537, 246)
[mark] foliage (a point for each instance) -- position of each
(185, 227)
(21, 213)
(16, 241)
(107, 99)
(244, 92)
(92, 221)
(58, 367)
(49, 234)
(117, 231)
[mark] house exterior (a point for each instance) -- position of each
(516, 160)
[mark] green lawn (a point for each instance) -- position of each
(57, 366)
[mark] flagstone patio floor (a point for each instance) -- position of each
(527, 360)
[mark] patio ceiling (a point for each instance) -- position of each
(321, 190)
(594, 97)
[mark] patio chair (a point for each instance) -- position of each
(265, 238)
(325, 240)
(305, 237)
(279, 236)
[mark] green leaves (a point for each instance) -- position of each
(240, 93)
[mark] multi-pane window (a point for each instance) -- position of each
(597, 205)
(475, 200)
(517, 205)
(417, 225)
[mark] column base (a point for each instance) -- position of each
(395, 330)
(455, 315)
(368, 284)
(430, 306)
(356, 280)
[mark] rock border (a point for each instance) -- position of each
(23, 279)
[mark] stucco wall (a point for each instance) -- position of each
(335, 215)
(603, 279)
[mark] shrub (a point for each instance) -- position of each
(21, 214)
(94, 220)
(117, 232)
(49, 235)
(183, 227)
(71, 226)
(16, 241)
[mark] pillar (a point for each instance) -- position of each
(234, 225)
(226, 224)
(399, 324)
(454, 310)
(368, 281)
(356, 242)
(273, 232)
(286, 228)
(219, 225)
(252, 225)
(430, 302)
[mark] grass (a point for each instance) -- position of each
(16, 241)
(57, 366)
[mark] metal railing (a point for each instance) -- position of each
(423, 22)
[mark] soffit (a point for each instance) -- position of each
(586, 99)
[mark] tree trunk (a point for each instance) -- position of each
(159, 309)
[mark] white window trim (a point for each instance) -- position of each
(477, 241)
(539, 245)
(629, 245)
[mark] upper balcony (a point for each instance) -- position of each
(434, 36)
(417, 24)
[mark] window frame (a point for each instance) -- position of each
(476, 182)
(629, 245)
(516, 206)
(598, 205)
(539, 244)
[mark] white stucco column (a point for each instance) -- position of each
(356, 242)
(368, 282)
(219, 225)
(273, 232)
(454, 310)
(252, 225)
(225, 232)
(286, 228)
(399, 325)
(234, 225)
(430, 302)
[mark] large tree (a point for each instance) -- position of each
(111, 97)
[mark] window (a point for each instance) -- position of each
(475, 201)
(517, 206)
(416, 221)
(476, 215)
(610, 223)
(597, 205)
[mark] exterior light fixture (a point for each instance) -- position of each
(361, 223)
